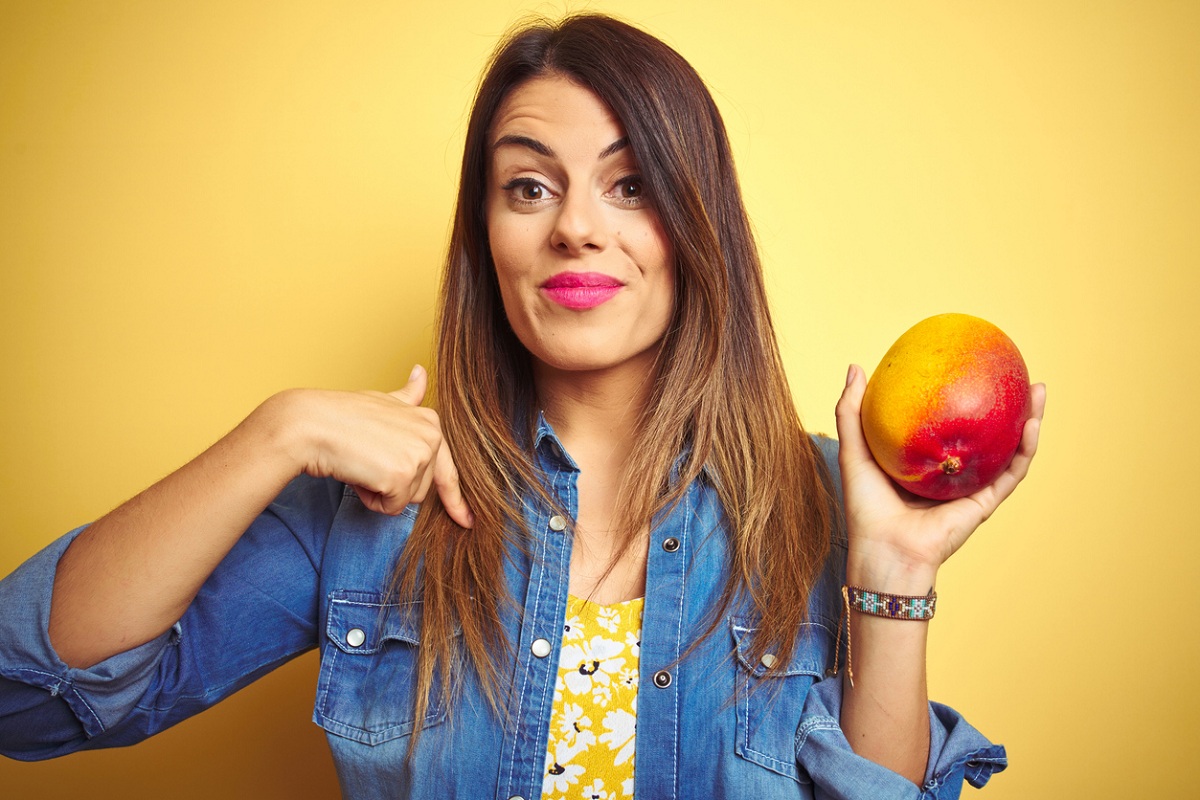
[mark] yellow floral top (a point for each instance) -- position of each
(590, 754)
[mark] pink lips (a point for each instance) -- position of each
(581, 290)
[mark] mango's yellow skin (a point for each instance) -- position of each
(944, 410)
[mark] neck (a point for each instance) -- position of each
(595, 413)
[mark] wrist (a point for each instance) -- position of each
(888, 572)
(279, 431)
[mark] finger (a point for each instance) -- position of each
(422, 482)
(852, 445)
(379, 502)
(414, 391)
(1030, 434)
(445, 479)
(991, 496)
(1038, 400)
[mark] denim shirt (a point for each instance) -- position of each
(312, 571)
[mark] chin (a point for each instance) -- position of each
(595, 359)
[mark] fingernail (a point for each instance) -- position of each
(416, 370)
(850, 375)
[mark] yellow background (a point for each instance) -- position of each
(203, 203)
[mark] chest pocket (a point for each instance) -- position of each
(367, 688)
(768, 709)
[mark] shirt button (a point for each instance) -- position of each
(516, 797)
(768, 660)
(558, 522)
(662, 679)
(355, 637)
(540, 648)
(670, 544)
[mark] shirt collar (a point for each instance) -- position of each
(550, 448)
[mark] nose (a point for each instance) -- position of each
(580, 225)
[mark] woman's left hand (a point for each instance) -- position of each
(893, 531)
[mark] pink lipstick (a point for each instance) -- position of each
(581, 290)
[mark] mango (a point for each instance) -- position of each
(944, 410)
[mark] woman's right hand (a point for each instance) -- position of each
(387, 446)
(133, 573)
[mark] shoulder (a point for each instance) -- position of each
(309, 499)
(825, 599)
(363, 545)
(827, 447)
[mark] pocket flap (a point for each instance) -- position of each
(360, 622)
(813, 651)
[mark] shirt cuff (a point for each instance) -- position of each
(957, 751)
(99, 696)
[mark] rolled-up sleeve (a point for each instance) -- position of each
(957, 752)
(256, 611)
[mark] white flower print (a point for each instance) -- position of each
(595, 704)
(619, 728)
(575, 728)
(573, 628)
(596, 661)
(595, 792)
(560, 772)
(609, 618)
(558, 688)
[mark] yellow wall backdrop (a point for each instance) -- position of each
(204, 203)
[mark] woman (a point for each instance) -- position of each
(615, 438)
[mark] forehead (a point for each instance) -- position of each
(556, 107)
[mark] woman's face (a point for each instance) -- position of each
(586, 273)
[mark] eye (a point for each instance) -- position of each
(630, 188)
(526, 191)
(630, 191)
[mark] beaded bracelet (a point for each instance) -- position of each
(893, 606)
(878, 604)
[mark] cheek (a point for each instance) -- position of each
(512, 239)
(506, 255)
(667, 307)
(656, 245)
(508, 261)
(659, 253)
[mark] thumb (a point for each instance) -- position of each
(414, 391)
(851, 442)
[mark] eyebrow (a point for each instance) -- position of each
(615, 147)
(542, 149)
(524, 141)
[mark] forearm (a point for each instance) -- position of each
(131, 575)
(897, 542)
(885, 714)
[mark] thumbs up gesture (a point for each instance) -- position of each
(387, 446)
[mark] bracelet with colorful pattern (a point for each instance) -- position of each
(878, 604)
(892, 606)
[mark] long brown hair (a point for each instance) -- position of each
(719, 391)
